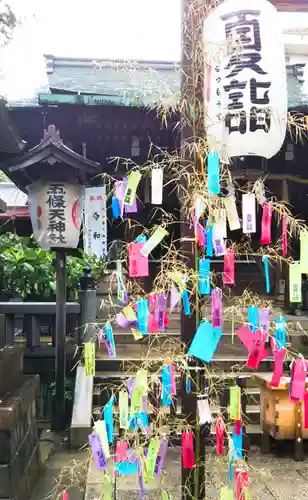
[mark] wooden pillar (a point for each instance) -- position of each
(192, 128)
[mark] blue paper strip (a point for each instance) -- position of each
(237, 445)
(141, 239)
(266, 272)
(204, 276)
(115, 206)
(139, 421)
(143, 315)
(188, 382)
(126, 468)
(108, 417)
(209, 240)
(253, 318)
(205, 342)
(280, 332)
(213, 173)
(166, 385)
(186, 303)
(109, 336)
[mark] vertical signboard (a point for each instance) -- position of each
(95, 222)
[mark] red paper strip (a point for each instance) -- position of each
(121, 450)
(257, 350)
(138, 265)
(298, 380)
(284, 235)
(188, 455)
(242, 482)
(306, 410)
(266, 224)
(279, 357)
(200, 235)
(166, 320)
(64, 495)
(220, 436)
(237, 427)
(229, 268)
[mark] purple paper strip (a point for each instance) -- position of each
(263, 319)
(144, 403)
(217, 308)
(97, 451)
(161, 311)
(130, 385)
(122, 321)
(161, 457)
(140, 480)
(111, 352)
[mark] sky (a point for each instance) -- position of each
(136, 29)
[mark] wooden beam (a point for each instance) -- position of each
(289, 6)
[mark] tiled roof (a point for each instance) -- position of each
(150, 81)
(12, 196)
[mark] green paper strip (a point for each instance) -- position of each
(235, 403)
(226, 493)
(131, 188)
(107, 488)
(89, 358)
(123, 409)
(136, 401)
(142, 380)
(164, 495)
(151, 459)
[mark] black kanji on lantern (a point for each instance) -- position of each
(56, 215)
(243, 27)
(244, 30)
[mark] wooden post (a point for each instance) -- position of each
(88, 307)
(59, 421)
(193, 482)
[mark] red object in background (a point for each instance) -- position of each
(229, 268)
(76, 214)
(220, 436)
(188, 454)
(266, 224)
(65, 495)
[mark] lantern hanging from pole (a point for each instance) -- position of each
(55, 210)
(245, 79)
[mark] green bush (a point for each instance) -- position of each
(27, 271)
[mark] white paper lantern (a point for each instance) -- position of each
(245, 79)
(55, 210)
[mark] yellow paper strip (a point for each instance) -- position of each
(131, 188)
(100, 428)
(235, 403)
(151, 458)
(153, 241)
(232, 214)
(137, 335)
(89, 358)
(295, 280)
(129, 313)
(304, 251)
(123, 409)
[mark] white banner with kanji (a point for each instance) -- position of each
(95, 222)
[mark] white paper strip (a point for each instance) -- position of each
(204, 411)
(220, 221)
(249, 213)
(157, 186)
(233, 219)
(95, 222)
(218, 241)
